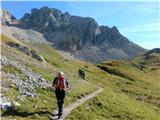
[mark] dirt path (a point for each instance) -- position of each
(72, 106)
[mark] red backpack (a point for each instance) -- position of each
(60, 83)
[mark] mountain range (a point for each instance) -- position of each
(80, 36)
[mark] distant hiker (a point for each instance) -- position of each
(60, 84)
(81, 73)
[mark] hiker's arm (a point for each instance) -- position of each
(53, 85)
(67, 83)
(67, 86)
(54, 82)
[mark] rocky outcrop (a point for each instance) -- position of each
(110, 39)
(19, 47)
(35, 55)
(26, 50)
(7, 18)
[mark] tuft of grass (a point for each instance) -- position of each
(12, 93)
(45, 73)
(4, 38)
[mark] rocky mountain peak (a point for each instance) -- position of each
(114, 29)
(44, 19)
(6, 17)
(81, 36)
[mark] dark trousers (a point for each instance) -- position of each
(60, 95)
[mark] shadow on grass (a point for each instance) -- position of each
(25, 113)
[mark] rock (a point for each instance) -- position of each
(87, 107)
(26, 50)
(42, 59)
(36, 115)
(26, 87)
(99, 104)
(86, 66)
(19, 98)
(37, 57)
(79, 97)
(6, 18)
(10, 105)
(44, 101)
(4, 98)
(13, 86)
(19, 47)
(15, 105)
(5, 105)
(35, 106)
(140, 98)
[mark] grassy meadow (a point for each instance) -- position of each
(130, 93)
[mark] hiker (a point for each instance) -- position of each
(60, 84)
(81, 73)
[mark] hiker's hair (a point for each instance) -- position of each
(60, 73)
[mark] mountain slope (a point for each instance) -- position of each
(133, 97)
(19, 68)
(150, 58)
(81, 36)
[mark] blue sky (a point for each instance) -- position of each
(138, 21)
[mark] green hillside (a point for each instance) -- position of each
(150, 59)
(130, 93)
(133, 94)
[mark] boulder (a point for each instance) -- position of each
(140, 98)
(19, 47)
(15, 105)
(26, 51)
(35, 55)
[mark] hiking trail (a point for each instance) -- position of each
(72, 106)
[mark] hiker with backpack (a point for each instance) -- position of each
(60, 84)
(81, 73)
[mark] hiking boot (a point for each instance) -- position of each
(59, 115)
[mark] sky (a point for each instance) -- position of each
(138, 21)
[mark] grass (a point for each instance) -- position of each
(12, 93)
(119, 99)
(122, 83)
(110, 105)
(45, 73)
(4, 38)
